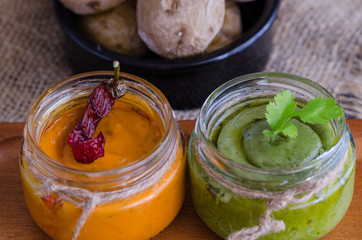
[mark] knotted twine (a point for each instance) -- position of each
(76, 195)
(275, 200)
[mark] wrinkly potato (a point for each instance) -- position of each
(230, 30)
(115, 29)
(179, 28)
(84, 7)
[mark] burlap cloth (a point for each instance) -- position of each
(320, 40)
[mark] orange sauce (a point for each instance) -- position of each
(130, 133)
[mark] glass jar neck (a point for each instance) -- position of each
(75, 90)
(250, 90)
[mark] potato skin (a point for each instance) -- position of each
(231, 29)
(179, 28)
(115, 29)
(84, 7)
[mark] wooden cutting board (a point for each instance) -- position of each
(16, 223)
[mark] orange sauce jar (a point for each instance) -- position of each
(133, 192)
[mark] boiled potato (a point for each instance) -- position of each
(115, 29)
(90, 6)
(230, 30)
(179, 28)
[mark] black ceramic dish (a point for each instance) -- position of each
(185, 82)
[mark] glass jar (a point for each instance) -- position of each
(134, 201)
(242, 201)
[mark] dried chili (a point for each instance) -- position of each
(87, 149)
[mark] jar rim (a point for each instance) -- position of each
(169, 122)
(211, 110)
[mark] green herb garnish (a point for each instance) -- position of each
(283, 108)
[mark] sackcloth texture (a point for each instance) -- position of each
(319, 40)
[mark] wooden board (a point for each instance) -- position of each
(16, 223)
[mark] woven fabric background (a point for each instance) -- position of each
(320, 40)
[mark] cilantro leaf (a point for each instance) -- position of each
(290, 130)
(268, 133)
(320, 110)
(279, 111)
(282, 109)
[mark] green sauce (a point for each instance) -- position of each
(283, 152)
(240, 138)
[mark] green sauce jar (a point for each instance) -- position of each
(242, 192)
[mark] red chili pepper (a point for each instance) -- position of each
(51, 201)
(85, 148)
